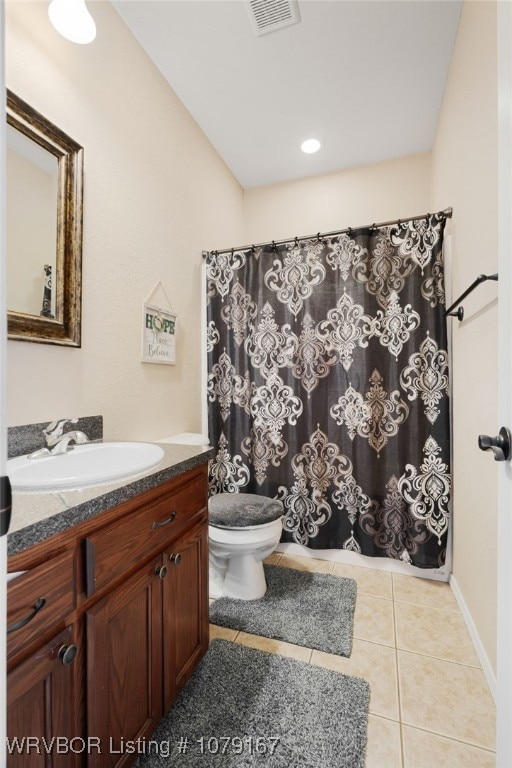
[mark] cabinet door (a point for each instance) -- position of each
(124, 666)
(42, 704)
(185, 609)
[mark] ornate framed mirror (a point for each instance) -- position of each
(44, 177)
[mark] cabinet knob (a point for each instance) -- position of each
(161, 571)
(175, 559)
(67, 654)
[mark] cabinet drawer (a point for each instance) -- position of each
(40, 599)
(114, 549)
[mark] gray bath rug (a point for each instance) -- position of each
(315, 610)
(244, 707)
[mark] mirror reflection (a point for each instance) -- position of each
(32, 188)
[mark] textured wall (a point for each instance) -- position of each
(464, 175)
(358, 196)
(156, 193)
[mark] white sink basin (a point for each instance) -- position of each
(89, 464)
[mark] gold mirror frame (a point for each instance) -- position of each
(65, 328)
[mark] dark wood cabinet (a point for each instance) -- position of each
(185, 609)
(144, 639)
(129, 589)
(42, 704)
(124, 646)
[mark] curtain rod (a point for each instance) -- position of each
(447, 213)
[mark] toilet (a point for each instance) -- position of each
(243, 529)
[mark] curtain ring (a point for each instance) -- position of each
(296, 241)
(274, 246)
(253, 248)
(349, 231)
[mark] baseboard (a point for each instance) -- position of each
(362, 561)
(479, 648)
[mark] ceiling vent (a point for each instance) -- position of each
(270, 15)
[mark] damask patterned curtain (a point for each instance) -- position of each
(328, 387)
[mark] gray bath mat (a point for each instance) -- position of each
(244, 707)
(315, 610)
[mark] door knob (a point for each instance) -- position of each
(499, 445)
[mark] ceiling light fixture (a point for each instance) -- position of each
(310, 145)
(72, 20)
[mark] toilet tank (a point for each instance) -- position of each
(186, 438)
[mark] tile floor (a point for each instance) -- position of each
(430, 704)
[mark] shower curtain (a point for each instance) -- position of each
(328, 387)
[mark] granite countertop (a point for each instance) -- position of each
(36, 515)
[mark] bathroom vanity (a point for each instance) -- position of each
(110, 617)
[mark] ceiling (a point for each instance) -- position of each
(366, 77)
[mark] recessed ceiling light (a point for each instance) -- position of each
(310, 145)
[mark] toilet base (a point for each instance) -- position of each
(244, 580)
(236, 560)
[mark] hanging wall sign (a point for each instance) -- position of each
(158, 333)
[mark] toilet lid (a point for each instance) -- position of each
(239, 510)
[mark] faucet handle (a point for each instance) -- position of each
(54, 429)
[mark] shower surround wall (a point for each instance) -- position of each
(328, 387)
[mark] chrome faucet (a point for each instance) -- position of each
(61, 444)
(54, 430)
(56, 441)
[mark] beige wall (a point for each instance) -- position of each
(156, 193)
(31, 196)
(464, 175)
(359, 196)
